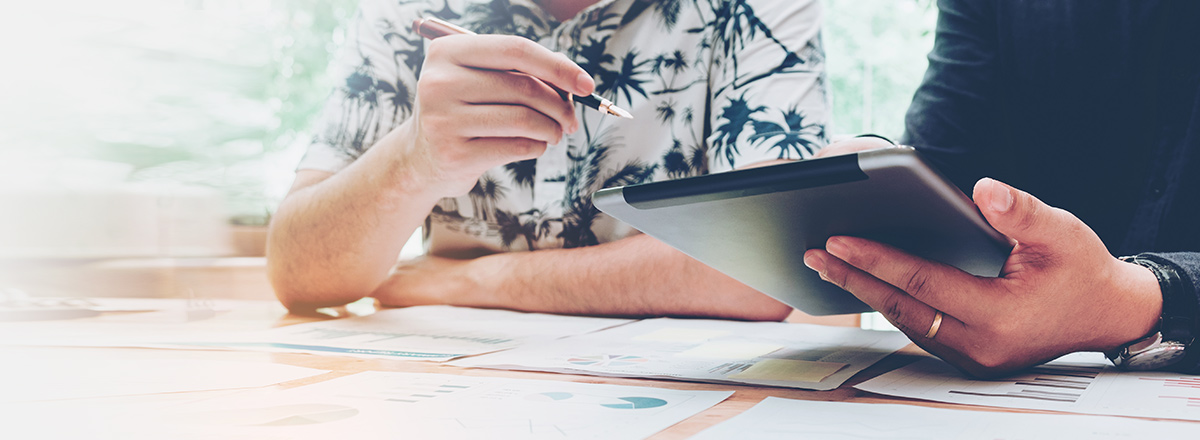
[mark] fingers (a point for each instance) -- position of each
(490, 87)
(941, 286)
(507, 121)
(908, 314)
(505, 52)
(1023, 217)
(506, 150)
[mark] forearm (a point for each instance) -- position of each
(635, 276)
(334, 241)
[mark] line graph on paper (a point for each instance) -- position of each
(1065, 383)
(1182, 385)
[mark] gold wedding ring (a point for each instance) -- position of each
(937, 324)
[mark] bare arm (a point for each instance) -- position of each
(635, 276)
(335, 236)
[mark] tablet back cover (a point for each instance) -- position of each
(755, 224)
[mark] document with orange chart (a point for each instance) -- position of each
(761, 353)
(1080, 383)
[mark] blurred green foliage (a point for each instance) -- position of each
(221, 93)
(876, 57)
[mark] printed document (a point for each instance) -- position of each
(432, 333)
(1080, 383)
(786, 419)
(760, 353)
(387, 405)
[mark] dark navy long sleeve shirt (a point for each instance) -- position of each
(1092, 106)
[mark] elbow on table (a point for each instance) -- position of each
(300, 293)
(773, 311)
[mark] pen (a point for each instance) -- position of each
(433, 28)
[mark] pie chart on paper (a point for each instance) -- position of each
(636, 403)
(604, 401)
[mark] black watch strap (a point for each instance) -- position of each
(1179, 306)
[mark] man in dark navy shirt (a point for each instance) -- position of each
(1092, 109)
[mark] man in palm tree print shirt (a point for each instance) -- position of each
(499, 170)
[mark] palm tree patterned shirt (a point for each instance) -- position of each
(712, 85)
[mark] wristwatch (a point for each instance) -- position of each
(1168, 343)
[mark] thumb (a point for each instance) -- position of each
(1021, 216)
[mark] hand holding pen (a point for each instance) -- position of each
(483, 101)
(432, 28)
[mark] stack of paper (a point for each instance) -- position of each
(775, 354)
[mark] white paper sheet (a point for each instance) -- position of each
(776, 354)
(71, 374)
(161, 320)
(1080, 383)
(385, 405)
(776, 418)
(432, 333)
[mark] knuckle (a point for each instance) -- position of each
(916, 280)
(894, 308)
(525, 86)
(1029, 217)
(433, 84)
(532, 149)
(837, 275)
(566, 69)
(437, 124)
(864, 260)
(516, 47)
(435, 50)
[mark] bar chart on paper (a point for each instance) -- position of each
(1081, 383)
(785, 419)
(1050, 383)
(1178, 390)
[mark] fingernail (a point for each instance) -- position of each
(1002, 198)
(583, 84)
(837, 247)
(814, 262)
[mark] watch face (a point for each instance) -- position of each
(1153, 358)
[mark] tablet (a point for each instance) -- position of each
(755, 224)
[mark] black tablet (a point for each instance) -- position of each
(755, 224)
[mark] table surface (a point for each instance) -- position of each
(264, 314)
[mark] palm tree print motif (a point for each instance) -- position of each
(791, 138)
(734, 118)
(712, 84)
